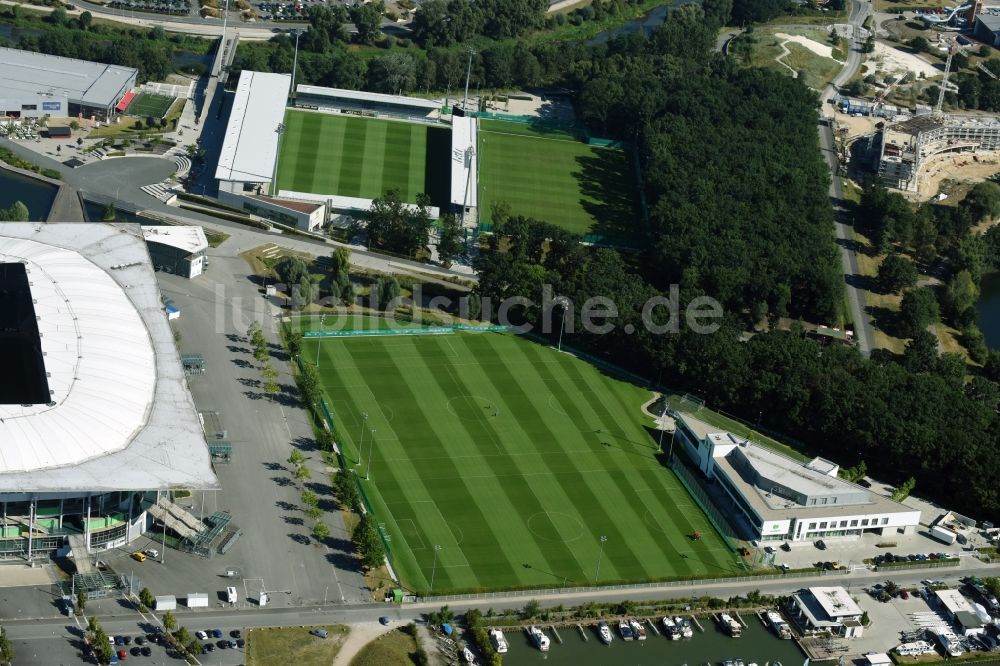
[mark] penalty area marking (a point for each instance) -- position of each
(411, 535)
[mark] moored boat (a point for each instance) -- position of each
(638, 630)
(730, 626)
(498, 640)
(687, 630)
(539, 638)
(468, 656)
(625, 631)
(604, 632)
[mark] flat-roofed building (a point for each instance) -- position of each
(36, 84)
(961, 611)
(827, 610)
(249, 153)
(777, 498)
(358, 100)
(177, 249)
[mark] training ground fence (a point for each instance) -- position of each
(725, 529)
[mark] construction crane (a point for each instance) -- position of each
(944, 82)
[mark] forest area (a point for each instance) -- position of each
(738, 214)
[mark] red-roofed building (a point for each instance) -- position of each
(305, 215)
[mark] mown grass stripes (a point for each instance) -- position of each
(362, 157)
(515, 459)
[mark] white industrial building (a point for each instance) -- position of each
(963, 613)
(776, 498)
(33, 85)
(827, 610)
(249, 153)
(96, 422)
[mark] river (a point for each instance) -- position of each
(758, 645)
(989, 310)
(35, 194)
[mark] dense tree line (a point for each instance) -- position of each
(739, 211)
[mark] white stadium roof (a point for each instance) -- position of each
(251, 145)
(362, 97)
(120, 416)
(464, 161)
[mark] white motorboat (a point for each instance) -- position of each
(498, 640)
(670, 629)
(687, 630)
(540, 640)
(604, 632)
(468, 656)
(625, 631)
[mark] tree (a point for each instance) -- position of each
(918, 310)
(386, 292)
(320, 532)
(347, 490)
(340, 263)
(291, 270)
(367, 18)
(983, 201)
(302, 473)
(919, 44)
(921, 353)
(59, 16)
(102, 647)
(903, 490)
(309, 498)
(169, 621)
(296, 458)
(86, 18)
(896, 274)
(451, 241)
(81, 600)
(18, 212)
(183, 636)
(302, 293)
(394, 226)
(6, 649)
(394, 74)
(109, 213)
(293, 340)
(146, 598)
(960, 294)
(530, 609)
(368, 543)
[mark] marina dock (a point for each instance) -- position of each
(555, 633)
(652, 625)
(583, 632)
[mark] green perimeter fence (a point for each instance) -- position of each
(701, 498)
(416, 330)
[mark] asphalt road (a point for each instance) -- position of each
(849, 262)
(49, 641)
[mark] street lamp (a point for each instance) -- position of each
(564, 302)
(364, 426)
(371, 446)
(279, 130)
(599, 556)
(295, 63)
(468, 72)
(663, 426)
(434, 567)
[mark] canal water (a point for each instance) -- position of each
(35, 194)
(989, 310)
(758, 644)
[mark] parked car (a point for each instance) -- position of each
(904, 594)
(322, 633)
(235, 633)
(217, 633)
(384, 620)
(821, 545)
(146, 651)
(201, 635)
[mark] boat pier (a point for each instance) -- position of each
(740, 620)
(555, 633)
(652, 625)
(694, 619)
(760, 616)
(583, 632)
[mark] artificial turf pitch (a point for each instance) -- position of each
(149, 104)
(554, 177)
(364, 157)
(512, 460)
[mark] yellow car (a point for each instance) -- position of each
(139, 556)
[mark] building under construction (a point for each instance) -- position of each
(906, 145)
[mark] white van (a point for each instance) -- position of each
(231, 594)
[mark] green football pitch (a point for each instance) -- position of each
(148, 104)
(511, 461)
(554, 177)
(364, 157)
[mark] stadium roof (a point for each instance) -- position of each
(362, 97)
(187, 238)
(81, 81)
(119, 415)
(464, 167)
(251, 145)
